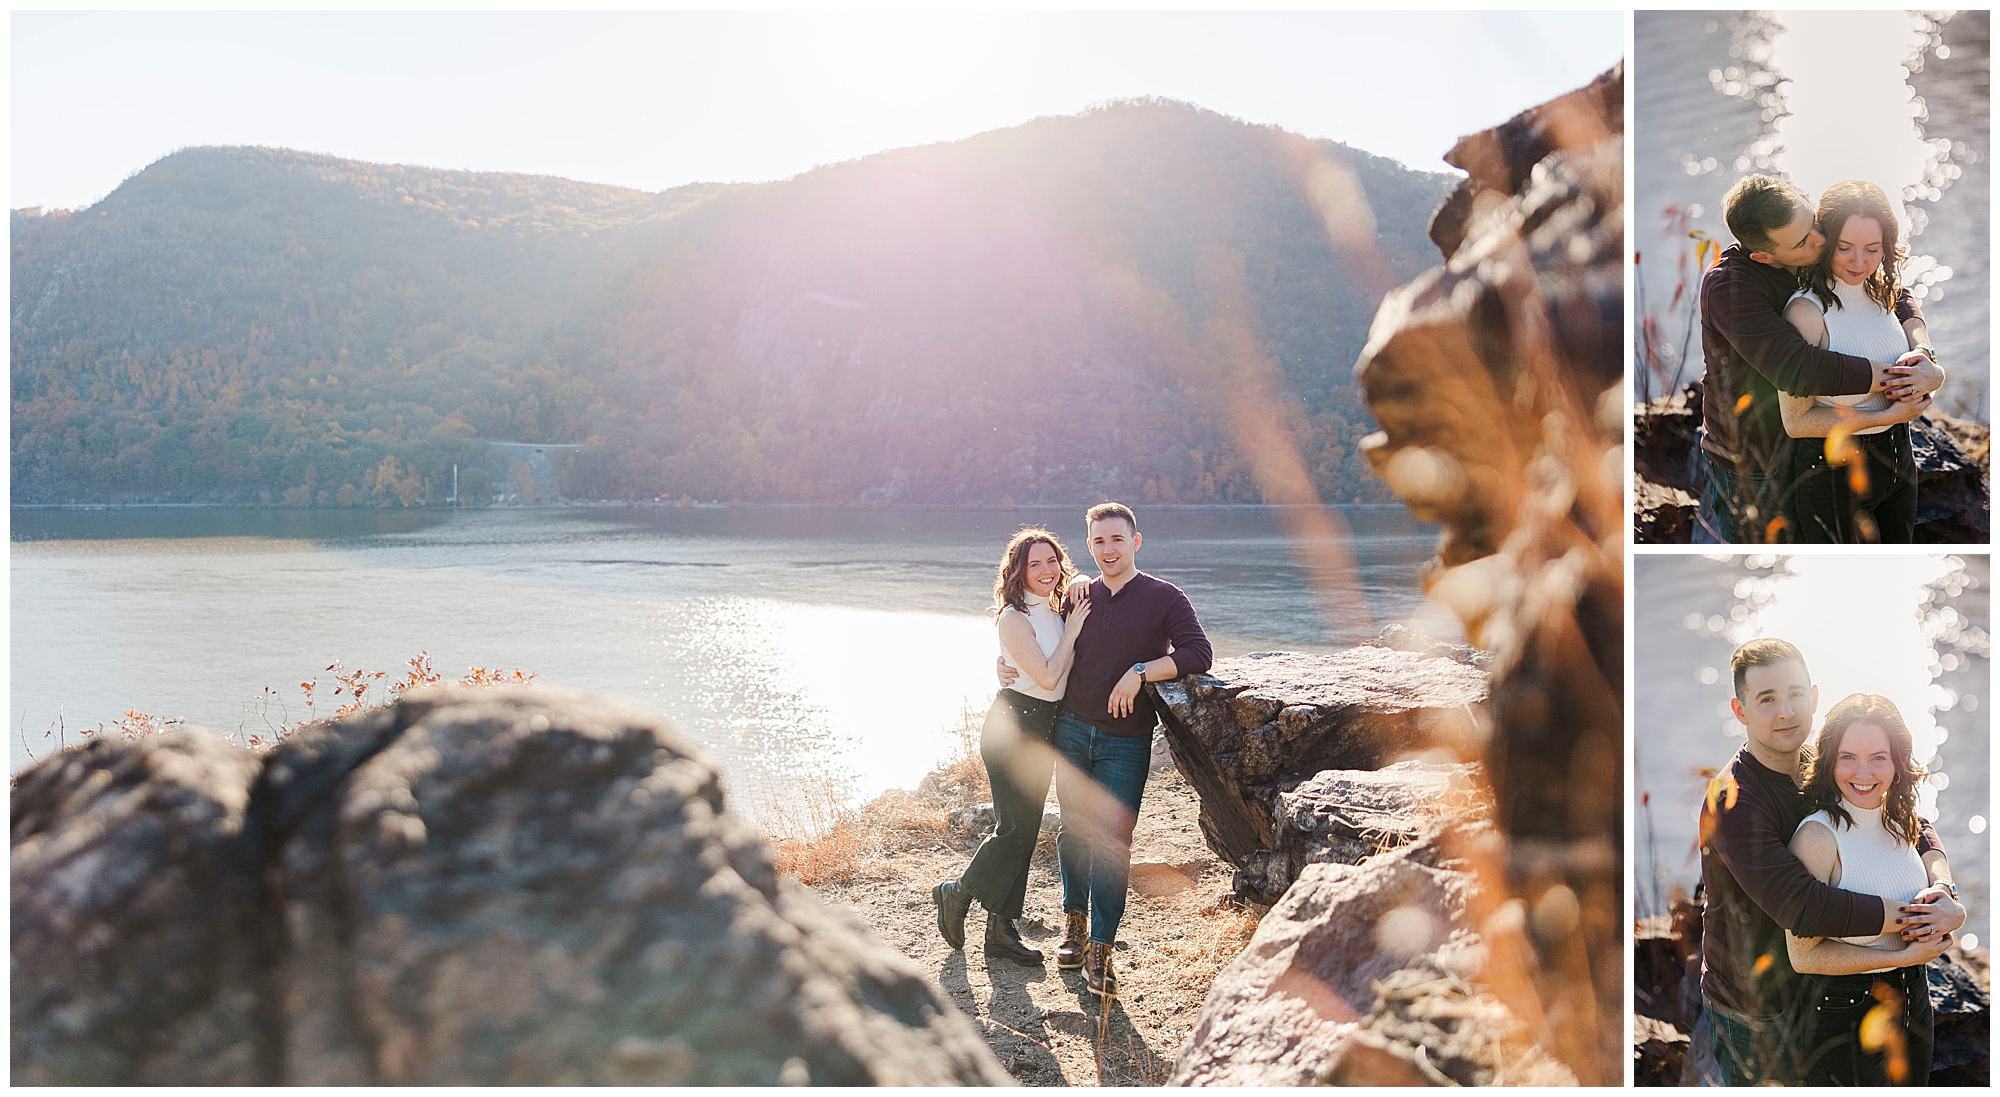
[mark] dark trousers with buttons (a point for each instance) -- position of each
(1898, 1052)
(1015, 744)
(1830, 505)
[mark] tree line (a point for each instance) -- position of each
(1147, 301)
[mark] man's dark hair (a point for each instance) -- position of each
(1764, 652)
(1758, 206)
(1111, 510)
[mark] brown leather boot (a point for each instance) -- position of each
(1097, 972)
(1076, 931)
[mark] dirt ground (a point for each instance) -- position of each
(1180, 928)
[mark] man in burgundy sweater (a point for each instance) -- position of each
(1141, 629)
(1752, 352)
(1757, 889)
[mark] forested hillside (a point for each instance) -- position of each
(1145, 301)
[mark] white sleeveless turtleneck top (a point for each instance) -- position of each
(1859, 326)
(1874, 862)
(1048, 636)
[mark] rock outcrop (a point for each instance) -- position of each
(1497, 380)
(1954, 484)
(470, 887)
(1364, 974)
(1346, 816)
(1257, 726)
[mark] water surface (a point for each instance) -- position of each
(834, 644)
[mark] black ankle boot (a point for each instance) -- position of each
(1004, 941)
(953, 900)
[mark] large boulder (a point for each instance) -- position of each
(471, 887)
(1346, 816)
(1256, 726)
(1362, 974)
(136, 923)
(1497, 381)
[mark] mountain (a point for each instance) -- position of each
(1148, 301)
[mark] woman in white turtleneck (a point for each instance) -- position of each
(1868, 492)
(1863, 779)
(1017, 742)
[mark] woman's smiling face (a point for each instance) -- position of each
(1858, 251)
(1044, 569)
(1863, 766)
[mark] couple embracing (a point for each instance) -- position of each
(1826, 894)
(1075, 656)
(1817, 358)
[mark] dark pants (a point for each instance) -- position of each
(1099, 791)
(1824, 508)
(1015, 745)
(1832, 1009)
(1737, 508)
(1753, 1049)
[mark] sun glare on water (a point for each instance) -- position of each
(1856, 621)
(886, 687)
(1852, 110)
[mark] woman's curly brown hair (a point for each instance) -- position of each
(1857, 198)
(1010, 580)
(1899, 810)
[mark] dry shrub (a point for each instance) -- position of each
(909, 818)
(352, 685)
(815, 837)
(835, 856)
(819, 839)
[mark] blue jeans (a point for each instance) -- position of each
(1753, 1048)
(1098, 784)
(1727, 495)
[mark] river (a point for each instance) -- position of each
(788, 641)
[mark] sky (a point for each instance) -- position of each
(653, 100)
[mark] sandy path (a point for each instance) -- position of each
(1179, 929)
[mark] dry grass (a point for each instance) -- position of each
(819, 838)
(351, 686)
(1218, 928)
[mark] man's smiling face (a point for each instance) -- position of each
(1776, 707)
(1113, 544)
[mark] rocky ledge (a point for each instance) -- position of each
(1252, 734)
(1673, 1047)
(1369, 974)
(518, 886)
(1954, 484)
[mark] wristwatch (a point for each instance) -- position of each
(1140, 670)
(1928, 352)
(1951, 888)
